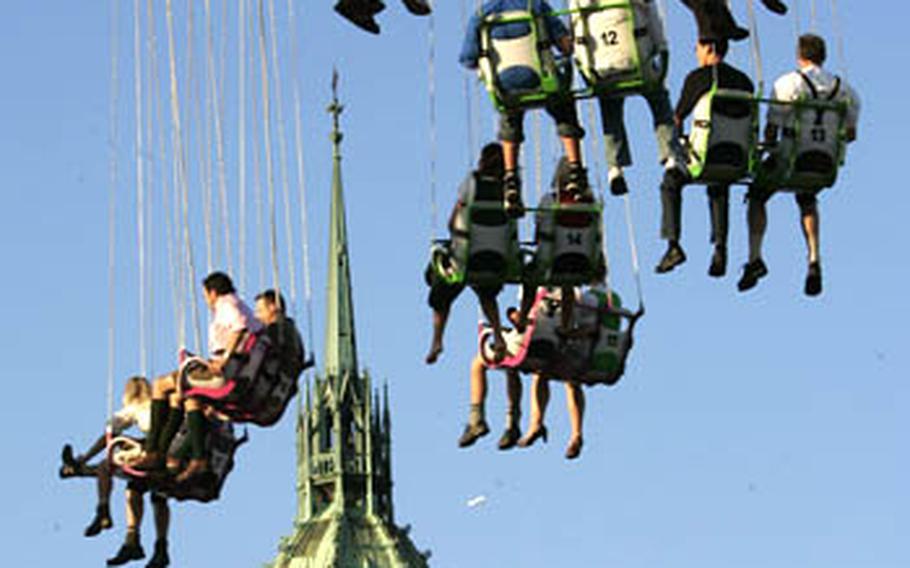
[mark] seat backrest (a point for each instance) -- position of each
(722, 137)
(570, 241)
(613, 45)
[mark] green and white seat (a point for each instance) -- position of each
(569, 242)
(722, 139)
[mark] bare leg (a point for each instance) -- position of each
(810, 226)
(513, 392)
(439, 327)
(134, 510)
(540, 398)
(491, 311)
(575, 404)
(572, 148)
(478, 382)
(510, 155)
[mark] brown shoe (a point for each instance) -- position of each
(148, 461)
(195, 469)
(574, 448)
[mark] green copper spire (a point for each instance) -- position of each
(340, 348)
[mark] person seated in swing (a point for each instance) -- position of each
(511, 124)
(712, 67)
(443, 293)
(362, 13)
(231, 323)
(135, 413)
(809, 81)
(714, 19)
(477, 426)
(269, 309)
(616, 143)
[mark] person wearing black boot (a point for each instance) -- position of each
(712, 68)
(135, 412)
(714, 19)
(232, 321)
(809, 81)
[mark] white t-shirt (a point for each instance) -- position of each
(138, 415)
(792, 87)
(229, 316)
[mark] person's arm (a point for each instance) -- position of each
(93, 451)
(556, 29)
(470, 48)
(697, 83)
(853, 108)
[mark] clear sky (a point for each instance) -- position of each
(758, 430)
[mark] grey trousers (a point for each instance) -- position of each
(616, 142)
(718, 209)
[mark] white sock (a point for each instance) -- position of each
(613, 173)
(671, 163)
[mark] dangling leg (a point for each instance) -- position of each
(669, 152)
(719, 210)
(476, 427)
(131, 549)
(757, 215)
(162, 512)
(540, 398)
(565, 114)
(809, 221)
(511, 135)
(490, 308)
(575, 404)
(442, 296)
(153, 457)
(616, 142)
(671, 221)
(196, 431)
(512, 432)
(102, 520)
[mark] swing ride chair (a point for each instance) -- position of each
(257, 389)
(610, 51)
(569, 244)
(614, 53)
(484, 247)
(813, 147)
(524, 45)
(543, 350)
(722, 145)
(221, 447)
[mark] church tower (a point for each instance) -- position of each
(345, 515)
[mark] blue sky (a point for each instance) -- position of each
(751, 430)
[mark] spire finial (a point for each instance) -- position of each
(335, 109)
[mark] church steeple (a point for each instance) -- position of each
(340, 346)
(344, 472)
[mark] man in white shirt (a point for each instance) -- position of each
(809, 81)
(232, 321)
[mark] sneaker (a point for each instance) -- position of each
(718, 266)
(674, 256)
(775, 6)
(752, 273)
(512, 195)
(418, 7)
(509, 438)
(814, 279)
(360, 19)
(127, 553)
(472, 433)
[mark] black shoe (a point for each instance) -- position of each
(160, 559)
(738, 34)
(418, 7)
(509, 438)
(814, 279)
(618, 186)
(512, 195)
(752, 273)
(675, 177)
(472, 433)
(672, 258)
(127, 553)
(101, 522)
(360, 19)
(718, 266)
(775, 6)
(71, 466)
(532, 437)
